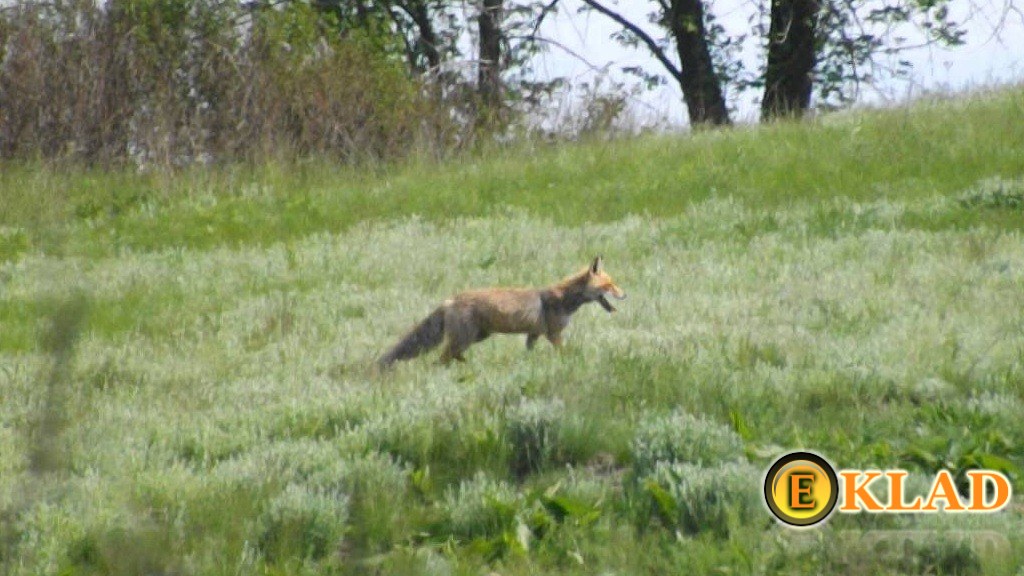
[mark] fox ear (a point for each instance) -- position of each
(595, 268)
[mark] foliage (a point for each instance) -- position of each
(790, 287)
(533, 429)
(174, 83)
(309, 523)
(857, 44)
(862, 42)
(995, 193)
(693, 499)
(683, 438)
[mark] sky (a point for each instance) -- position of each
(987, 59)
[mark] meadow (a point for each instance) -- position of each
(186, 357)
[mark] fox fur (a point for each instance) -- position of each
(469, 317)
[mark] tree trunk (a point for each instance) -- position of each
(791, 58)
(702, 90)
(489, 79)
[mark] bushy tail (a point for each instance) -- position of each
(423, 337)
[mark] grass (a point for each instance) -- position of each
(851, 286)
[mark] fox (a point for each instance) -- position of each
(472, 316)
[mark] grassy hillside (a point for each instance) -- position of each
(185, 359)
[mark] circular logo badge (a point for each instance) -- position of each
(801, 488)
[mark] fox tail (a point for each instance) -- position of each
(425, 336)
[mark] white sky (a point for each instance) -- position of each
(985, 60)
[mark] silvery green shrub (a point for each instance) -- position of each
(682, 437)
(303, 522)
(533, 428)
(481, 506)
(693, 499)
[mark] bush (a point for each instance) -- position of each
(176, 82)
(123, 550)
(681, 437)
(994, 193)
(375, 486)
(692, 499)
(481, 507)
(303, 523)
(533, 428)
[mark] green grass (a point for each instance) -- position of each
(851, 285)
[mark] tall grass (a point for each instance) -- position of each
(908, 154)
(851, 286)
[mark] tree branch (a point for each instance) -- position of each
(644, 37)
(542, 16)
(532, 38)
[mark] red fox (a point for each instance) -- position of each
(469, 317)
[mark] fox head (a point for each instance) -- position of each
(600, 285)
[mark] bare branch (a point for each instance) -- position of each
(644, 37)
(562, 47)
(542, 16)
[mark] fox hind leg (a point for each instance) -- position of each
(453, 351)
(457, 346)
(460, 335)
(447, 356)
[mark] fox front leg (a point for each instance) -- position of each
(555, 338)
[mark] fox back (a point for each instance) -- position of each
(472, 316)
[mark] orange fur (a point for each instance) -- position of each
(469, 317)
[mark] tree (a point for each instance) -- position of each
(792, 53)
(489, 26)
(825, 47)
(686, 22)
(701, 87)
(858, 39)
(424, 50)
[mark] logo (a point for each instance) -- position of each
(802, 489)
